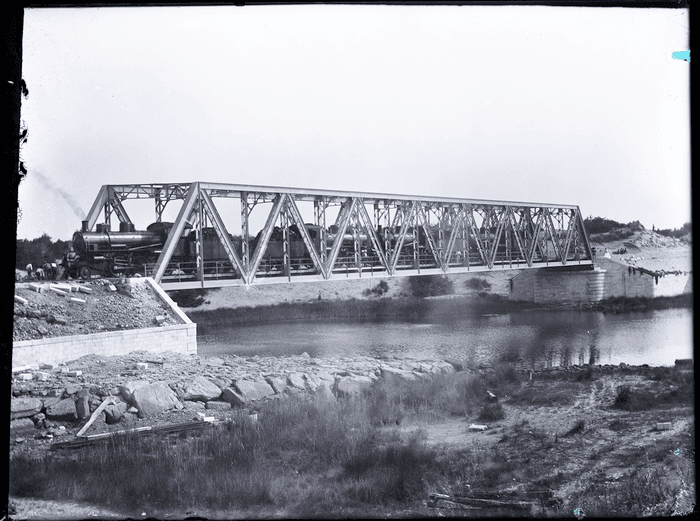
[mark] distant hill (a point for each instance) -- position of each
(614, 235)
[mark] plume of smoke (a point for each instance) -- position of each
(50, 185)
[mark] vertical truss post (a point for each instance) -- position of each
(286, 254)
(320, 205)
(245, 233)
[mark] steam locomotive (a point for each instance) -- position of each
(129, 251)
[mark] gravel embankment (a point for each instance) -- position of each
(46, 314)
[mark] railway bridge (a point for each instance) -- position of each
(228, 234)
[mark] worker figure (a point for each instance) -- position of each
(70, 260)
(39, 273)
(49, 273)
(29, 269)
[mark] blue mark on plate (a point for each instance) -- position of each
(681, 55)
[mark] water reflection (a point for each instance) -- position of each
(527, 339)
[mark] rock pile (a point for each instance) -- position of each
(147, 389)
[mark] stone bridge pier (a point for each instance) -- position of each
(564, 284)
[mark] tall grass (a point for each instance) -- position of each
(644, 494)
(300, 447)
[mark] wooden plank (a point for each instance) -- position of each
(483, 503)
(94, 415)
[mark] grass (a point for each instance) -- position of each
(622, 304)
(679, 390)
(644, 494)
(304, 454)
(317, 456)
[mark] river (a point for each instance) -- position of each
(531, 339)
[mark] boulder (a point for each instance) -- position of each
(63, 410)
(82, 403)
(115, 412)
(155, 398)
(24, 407)
(201, 389)
(195, 406)
(246, 391)
(231, 396)
(126, 390)
(389, 372)
(320, 382)
(278, 384)
(48, 401)
(254, 390)
(296, 380)
(443, 368)
(22, 427)
(218, 406)
(351, 385)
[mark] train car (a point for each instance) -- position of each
(129, 251)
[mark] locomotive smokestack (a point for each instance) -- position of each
(85, 226)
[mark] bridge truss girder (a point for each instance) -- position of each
(442, 234)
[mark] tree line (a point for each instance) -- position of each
(38, 251)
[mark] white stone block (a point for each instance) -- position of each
(74, 373)
(84, 289)
(36, 287)
(20, 299)
(77, 300)
(112, 287)
(25, 376)
(476, 427)
(141, 365)
(58, 291)
(664, 426)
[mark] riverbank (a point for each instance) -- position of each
(419, 439)
(415, 309)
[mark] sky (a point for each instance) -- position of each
(564, 105)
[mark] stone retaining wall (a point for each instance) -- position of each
(181, 338)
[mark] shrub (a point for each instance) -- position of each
(430, 285)
(189, 298)
(378, 290)
(492, 412)
(577, 429)
(478, 284)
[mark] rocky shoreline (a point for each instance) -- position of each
(145, 389)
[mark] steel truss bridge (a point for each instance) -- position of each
(344, 234)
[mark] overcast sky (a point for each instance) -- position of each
(567, 105)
